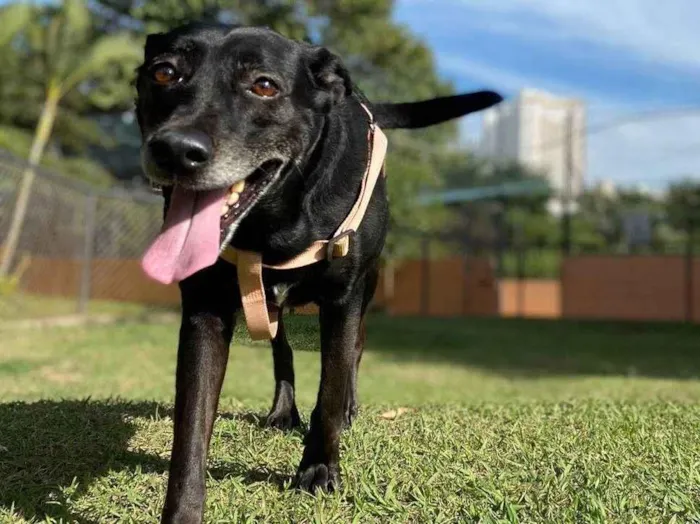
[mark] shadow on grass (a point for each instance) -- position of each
(517, 347)
(45, 445)
(260, 421)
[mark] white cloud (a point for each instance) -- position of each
(653, 30)
(498, 78)
(459, 65)
(654, 152)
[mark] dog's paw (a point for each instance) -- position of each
(317, 477)
(284, 420)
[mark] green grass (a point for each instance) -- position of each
(19, 306)
(535, 262)
(507, 421)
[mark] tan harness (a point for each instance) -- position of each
(261, 317)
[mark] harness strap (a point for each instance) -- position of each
(262, 323)
(261, 318)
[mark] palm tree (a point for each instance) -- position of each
(66, 57)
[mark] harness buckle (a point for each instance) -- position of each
(339, 246)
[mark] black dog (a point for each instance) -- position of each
(217, 105)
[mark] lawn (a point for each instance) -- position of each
(21, 306)
(502, 421)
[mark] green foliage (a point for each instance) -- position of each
(683, 204)
(517, 220)
(18, 142)
(286, 16)
(57, 48)
(532, 263)
(83, 169)
(585, 236)
(15, 18)
(600, 218)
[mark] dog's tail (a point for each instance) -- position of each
(412, 115)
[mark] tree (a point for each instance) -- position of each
(521, 219)
(64, 56)
(605, 214)
(683, 205)
(682, 213)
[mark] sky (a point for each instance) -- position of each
(620, 57)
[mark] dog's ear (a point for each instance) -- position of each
(154, 44)
(329, 77)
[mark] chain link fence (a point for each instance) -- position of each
(83, 245)
(81, 242)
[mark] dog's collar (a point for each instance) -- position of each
(261, 318)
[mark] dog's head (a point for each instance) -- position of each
(223, 108)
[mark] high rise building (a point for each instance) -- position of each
(543, 132)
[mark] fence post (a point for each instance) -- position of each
(88, 251)
(388, 283)
(425, 288)
(521, 279)
(689, 283)
(465, 281)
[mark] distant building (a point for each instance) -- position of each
(537, 129)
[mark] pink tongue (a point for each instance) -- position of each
(189, 240)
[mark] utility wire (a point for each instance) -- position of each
(631, 118)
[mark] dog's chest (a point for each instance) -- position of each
(279, 293)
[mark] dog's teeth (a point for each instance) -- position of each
(224, 209)
(232, 198)
(238, 186)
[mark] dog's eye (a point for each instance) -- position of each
(264, 87)
(164, 74)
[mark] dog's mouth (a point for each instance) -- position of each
(243, 195)
(200, 224)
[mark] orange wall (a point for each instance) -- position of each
(455, 287)
(626, 287)
(121, 280)
(696, 291)
(407, 289)
(596, 287)
(50, 276)
(124, 280)
(530, 298)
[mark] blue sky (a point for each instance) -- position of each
(619, 56)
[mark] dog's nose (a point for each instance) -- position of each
(181, 150)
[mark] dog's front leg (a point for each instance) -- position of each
(205, 335)
(319, 468)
